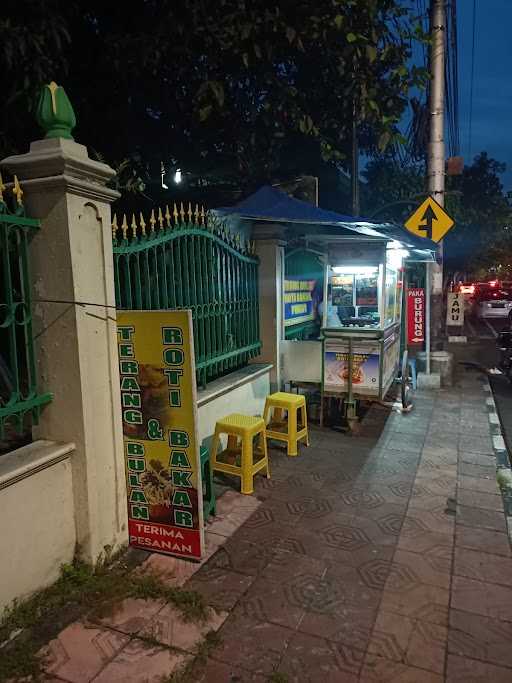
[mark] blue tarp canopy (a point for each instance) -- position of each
(271, 204)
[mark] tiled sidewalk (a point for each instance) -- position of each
(377, 558)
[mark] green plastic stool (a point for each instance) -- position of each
(207, 476)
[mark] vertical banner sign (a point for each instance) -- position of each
(415, 316)
(158, 399)
(455, 309)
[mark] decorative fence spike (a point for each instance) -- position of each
(189, 213)
(152, 220)
(115, 227)
(142, 224)
(134, 226)
(167, 216)
(202, 214)
(175, 214)
(17, 191)
(196, 215)
(2, 188)
(182, 213)
(124, 227)
(160, 218)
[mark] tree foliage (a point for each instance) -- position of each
(221, 88)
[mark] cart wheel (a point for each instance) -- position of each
(405, 380)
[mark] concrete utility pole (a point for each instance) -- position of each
(436, 160)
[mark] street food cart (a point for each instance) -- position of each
(340, 324)
(361, 326)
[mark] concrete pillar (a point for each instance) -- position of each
(270, 250)
(75, 328)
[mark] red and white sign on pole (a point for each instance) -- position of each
(416, 316)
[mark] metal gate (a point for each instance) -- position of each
(187, 259)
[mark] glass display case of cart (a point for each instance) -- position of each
(361, 321)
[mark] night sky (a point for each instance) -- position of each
(492, 86)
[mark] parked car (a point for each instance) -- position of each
(467, 289)
(492, 302)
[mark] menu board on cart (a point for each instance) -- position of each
(158, 399)
(298, 301)
(365, 367)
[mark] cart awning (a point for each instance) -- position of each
(270, 204)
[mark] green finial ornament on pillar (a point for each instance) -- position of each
(55, 114)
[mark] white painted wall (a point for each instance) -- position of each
(248, 399)
(38, 522)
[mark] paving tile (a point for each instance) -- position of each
(432, 568)
(79, 652)
(222, 589)
(427, 647)
(475, 443)
(279, 603)
(266, 534)
(426, 501)
(129, 615)
(435, 442)
(474, 636)
(339, 550)
(241, 556)
(481, 518)
(464, 670)
(351, 624)
(446, 454)
(218, 672)
(286, 564)
(483, 566)
(432, 521)
(487, 462)
(226, 525)
(430, 470)
(474, 470)
(397, 509)
(170, 628)
(425, 541)
(438, 486)
(383, 530)
(359, 497)
(382, 670)
(483, 540)
(487, 599)
(140, 662)
(254, 645)
(309, 659)
(391, 635)
(487, 501)
(409, 443)
(172, 571)
(232, 500)
(417, 601)
(481, 484)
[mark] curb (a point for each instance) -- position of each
(501, 453)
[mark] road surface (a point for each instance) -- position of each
(482, 349)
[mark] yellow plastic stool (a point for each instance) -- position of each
(245, 428)
(282, 429)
